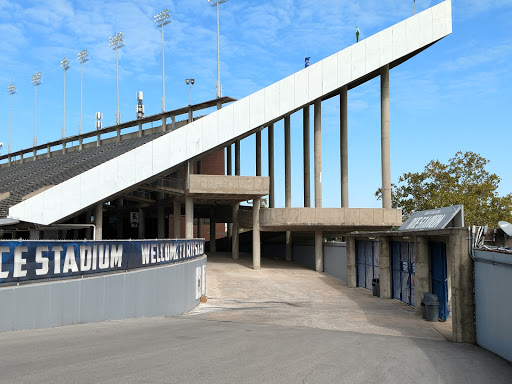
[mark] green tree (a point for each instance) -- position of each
(464, 180)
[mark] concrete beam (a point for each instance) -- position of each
(319, 252)
(189, 218)
(271, 165)
(256, 246)
(318, 153)
(385, 137)
(307, 157)
(344, 146)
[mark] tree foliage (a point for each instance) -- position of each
(464, 180)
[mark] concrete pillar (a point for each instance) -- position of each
(287, 164)
(48, 152)
(307, 157)
(385, 137)
(142, 224)
(289, 246)
(271, 165)
(173, 122)
(88, 220)
(189, 218)
(98, 140)
(21, 158)
(63, 147)
(98, 221)
(237, 158)
(422, 270)
(318, 154)
(34, 155)
(161, 222)
(164, 123)
(140, 128)
(118, 134)
(256, 246)
(463, 307)
(344, 147)
(190, 116)
(351, 263)
(199, 228)
(236, 232)
(258, 153)
(384, 268)
(229, 161)
(177, 219)
(80, 144)
(319, 252)
(119, 222)
(213, 230)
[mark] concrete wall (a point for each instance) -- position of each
(160, 291)
(493, 303)
(335, 260)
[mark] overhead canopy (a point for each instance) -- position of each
(435, 219)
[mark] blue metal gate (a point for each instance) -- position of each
(403, 262)
(367, 259)
(439, 277)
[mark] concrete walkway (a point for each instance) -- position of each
(286, 294)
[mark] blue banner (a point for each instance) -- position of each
(34, 260)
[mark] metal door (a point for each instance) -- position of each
(439, 277)
(367, 260)
(403, 262)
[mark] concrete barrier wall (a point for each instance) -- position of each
(493, 304)
(164, 290)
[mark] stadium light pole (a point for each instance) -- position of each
(36, 80)
(116, 42)
(12, 90)
(65, 66)
(216, 3)
(161, 20)
(190, 83)
(82, 57)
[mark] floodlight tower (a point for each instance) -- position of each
(36, 80)
(65, 66)
(161, 20)
(82, 57)
(216, 3)
(190, 83)
(116, 42)
(12, 90)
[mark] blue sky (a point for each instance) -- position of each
(457, 95)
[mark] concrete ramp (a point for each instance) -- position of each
(349, 67)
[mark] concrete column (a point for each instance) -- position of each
(289, 246)
(258, 153)
(140, 128)
(384, 268)
(307, 157)
(177, 219)
(199, 228)
(463, 307)
(190, 116)
(422, 270)
(319, 252)
(318, 154)
(344, 148)
(88, 220)
(80, 144)
(118, 134)
(351, 263)
(119, 223)
(213, 230)
(173, 122)
(34, 155)
(287, 164)
(98, 140)
(161, 222)
(164, 124)
(237, 158)
(189, 218)
(236, 232)
(271, 165)
(142, 224)
(98, 221)
(385, 137)
(63, 147)
(21, 158)
(229, 161)
(256, 246)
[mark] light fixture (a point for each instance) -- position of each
(116, 42)
(160, 21)
(82, 57)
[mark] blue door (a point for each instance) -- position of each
(403, 271)
(439, 277)
(367, 260)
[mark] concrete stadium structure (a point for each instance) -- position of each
(159, 173)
